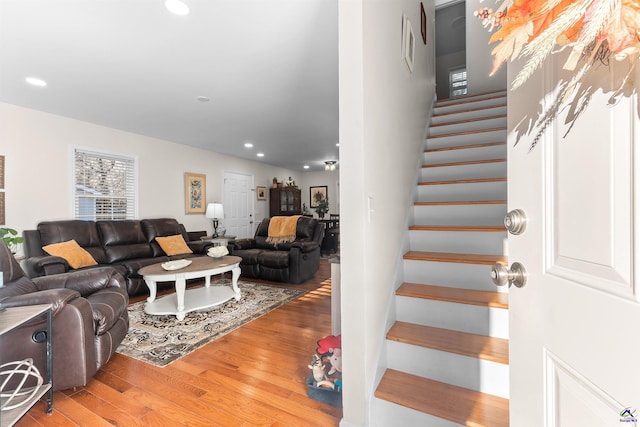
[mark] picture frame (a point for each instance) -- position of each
(409, 44)
(195, 190)
(1, 172)
(423, 23)
(261, 193)
(316, 194)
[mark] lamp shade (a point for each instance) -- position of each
(215, 210)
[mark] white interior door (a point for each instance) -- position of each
(575, 325)
(238, 204)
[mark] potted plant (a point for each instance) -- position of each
(322, 207)
(11, 238)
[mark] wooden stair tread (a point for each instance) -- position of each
(480, 228)
(463, 343)
(465, 99)
(463, 181)
(456, 404)
(456, 295)
(481, 259)
(467, 132)
(465, 163)
(466, 146)
(475, 119)
(462, 202)
(468, 110)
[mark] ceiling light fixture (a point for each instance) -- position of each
(248, 145)
(34, 81)
(330, 165)
(306, 166)
(177, 7)
(260, 154)
(203, 98)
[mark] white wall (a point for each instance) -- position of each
(38, 150)
(479, 59)
(383, 114)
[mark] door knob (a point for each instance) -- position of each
(516, 221)
(516, 275)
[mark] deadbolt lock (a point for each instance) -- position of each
(516, 221)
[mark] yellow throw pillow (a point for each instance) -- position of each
(173, 245)
(71, 251)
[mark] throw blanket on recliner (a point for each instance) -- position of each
(282, 229)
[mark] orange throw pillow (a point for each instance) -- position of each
(173, 245)
(72, 252)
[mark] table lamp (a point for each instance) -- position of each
(215, 211)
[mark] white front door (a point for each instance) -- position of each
(575, 325)
(238, 204)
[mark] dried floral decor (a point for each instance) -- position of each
(596, 31)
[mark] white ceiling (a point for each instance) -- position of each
(270, 69)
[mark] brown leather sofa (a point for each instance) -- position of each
(89, 320)
(126, 245)
(292, 262)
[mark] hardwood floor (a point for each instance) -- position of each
(254, 376)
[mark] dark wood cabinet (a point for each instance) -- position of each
(285, 201)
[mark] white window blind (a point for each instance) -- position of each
(458, 82)
(104, 186)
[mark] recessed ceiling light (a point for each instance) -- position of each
(306, 166)
(337, 144)
(260, 154)
(248, 145)
(202, 98)
(36, 81)
(177, 7)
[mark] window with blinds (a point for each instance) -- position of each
(104, 186)
(458, 82)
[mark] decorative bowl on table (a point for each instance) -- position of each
(217, 252)
(176, 264)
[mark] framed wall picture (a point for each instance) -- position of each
(195, 190)
(316, 194)
(409, 43)
(1, 172)
(423, 23)
(261, 193)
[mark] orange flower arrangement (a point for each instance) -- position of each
(594, 30)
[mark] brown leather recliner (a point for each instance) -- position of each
(89, 320)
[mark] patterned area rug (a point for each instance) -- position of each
(160, 340)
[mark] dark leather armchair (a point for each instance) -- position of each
(89, 320)
(292, 262)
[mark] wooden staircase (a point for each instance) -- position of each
(447, 352)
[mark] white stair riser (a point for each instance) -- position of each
(389, 414)
(474, 319)
(476, 242)
(442, 107)
(454, 140)
(472, 114)
(466, 276)
(459, 214)
(475, 125)
(463, 191)
(466, 154)
(462, 371)
(480, 170)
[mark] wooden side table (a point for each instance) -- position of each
(10, 319)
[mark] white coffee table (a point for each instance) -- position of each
(184, 301)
